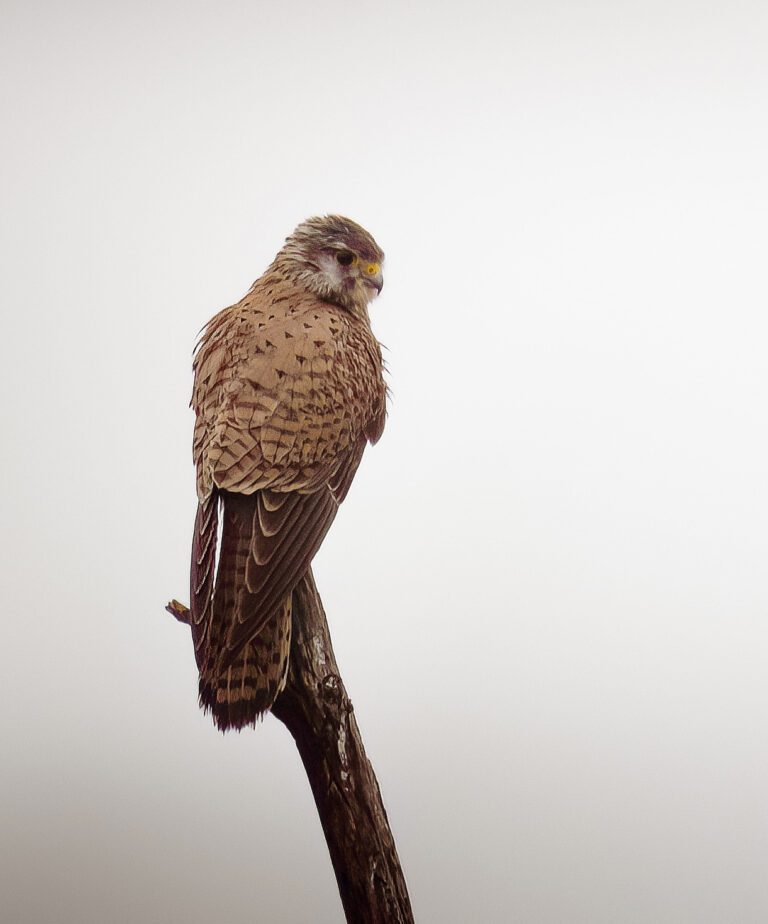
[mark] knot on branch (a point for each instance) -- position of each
(335, 697)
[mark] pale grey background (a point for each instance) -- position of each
(547, 588)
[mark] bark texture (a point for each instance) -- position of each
(315, 708)
(318, 713)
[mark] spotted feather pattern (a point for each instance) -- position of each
(288, 391)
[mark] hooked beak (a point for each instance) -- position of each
(372, 277)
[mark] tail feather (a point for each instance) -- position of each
(241, 693)
(238, 691)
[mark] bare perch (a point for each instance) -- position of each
(317, 711)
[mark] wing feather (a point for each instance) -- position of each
(288, 390)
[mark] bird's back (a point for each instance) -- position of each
(288, 390)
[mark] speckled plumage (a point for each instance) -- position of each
(288, 391)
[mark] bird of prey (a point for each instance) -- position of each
(288, 391)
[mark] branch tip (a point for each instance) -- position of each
(178, 611)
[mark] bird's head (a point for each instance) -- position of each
(336, 259)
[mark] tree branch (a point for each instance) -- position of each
(315, 708)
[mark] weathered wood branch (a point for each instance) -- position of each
(317, 711)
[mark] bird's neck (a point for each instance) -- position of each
(285, 271)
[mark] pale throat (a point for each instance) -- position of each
(351, 291)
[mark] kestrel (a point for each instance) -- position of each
(288, 391)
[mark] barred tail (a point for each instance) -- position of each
(241, 693)
(238, 690)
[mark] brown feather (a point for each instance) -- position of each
(202, 573)
(288, 391)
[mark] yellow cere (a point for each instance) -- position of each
(372, 269)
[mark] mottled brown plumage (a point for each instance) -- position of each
(288, 391)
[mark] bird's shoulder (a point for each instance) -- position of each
(285, 386)
(275, 325)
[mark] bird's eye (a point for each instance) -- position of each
(344, 257)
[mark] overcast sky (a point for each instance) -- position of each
(547, 586)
